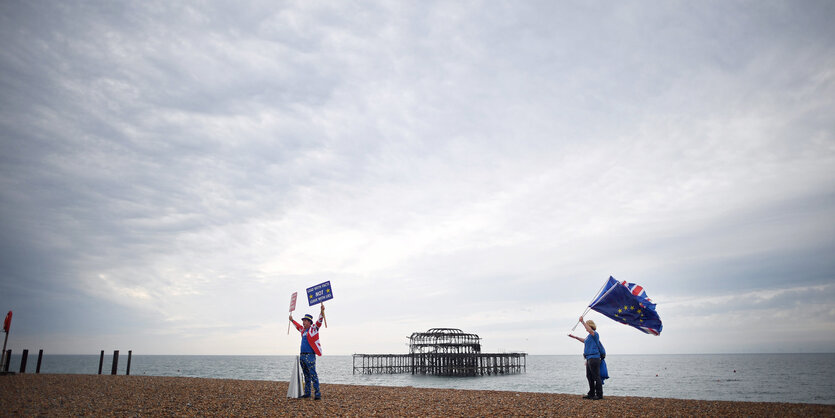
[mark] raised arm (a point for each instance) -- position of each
(321, 316)
(296, 324)
(588, 328)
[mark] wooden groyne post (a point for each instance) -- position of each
(6, 360)
(40, 357)
(23, 358)
(115, 361)
(115, 366)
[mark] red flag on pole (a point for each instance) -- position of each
(6, 325)
(8, 322)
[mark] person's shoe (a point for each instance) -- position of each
(588, 397)
(319, 397)
(597, 398)
(305, 396)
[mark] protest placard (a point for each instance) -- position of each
(319, 293)
(292, 308)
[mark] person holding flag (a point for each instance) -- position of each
(627, 303)
(594, 354)
(310, 348)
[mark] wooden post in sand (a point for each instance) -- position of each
(101, 360)
(23, 358)
(130, 353)
(115, 361)
(40, 356)
(7, 360)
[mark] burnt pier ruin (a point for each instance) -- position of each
(442, 352)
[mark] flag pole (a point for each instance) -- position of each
(324, 317)
(3, 354)
(601, 297)
(578, 322)
(588, 308)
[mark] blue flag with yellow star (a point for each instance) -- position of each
(618, 302)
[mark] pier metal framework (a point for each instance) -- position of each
(444, 341)
(442, 352)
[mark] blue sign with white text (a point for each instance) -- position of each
(319, 293)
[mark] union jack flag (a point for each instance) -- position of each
(637, 290)
(312, 334)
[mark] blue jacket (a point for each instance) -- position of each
(593, 347)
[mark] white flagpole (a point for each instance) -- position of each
(588, 308)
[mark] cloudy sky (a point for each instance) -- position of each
(170, 172)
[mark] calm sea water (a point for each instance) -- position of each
(806, 378)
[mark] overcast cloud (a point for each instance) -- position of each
(171, 172)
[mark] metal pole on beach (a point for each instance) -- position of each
(7, 327)
(3, 356)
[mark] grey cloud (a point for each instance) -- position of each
(183, 152)
(790, 298)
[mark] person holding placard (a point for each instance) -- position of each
(310, 348)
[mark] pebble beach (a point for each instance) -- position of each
(108, 395)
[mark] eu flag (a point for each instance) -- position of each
(627, 303)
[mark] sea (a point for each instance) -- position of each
(803, 378)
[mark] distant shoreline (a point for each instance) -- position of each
(61, 395)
